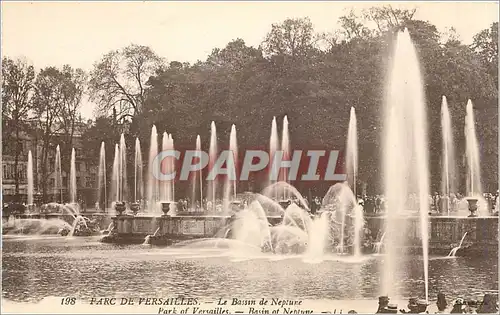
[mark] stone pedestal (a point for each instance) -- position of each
(120, 207)
(472, 207)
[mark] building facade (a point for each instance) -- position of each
(86, 170)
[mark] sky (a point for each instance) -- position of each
(79, 33)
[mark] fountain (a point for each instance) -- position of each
(164, 187)
(230, 183)
(119, 176)
(168, 206)
(285, 149)
(72, 178)
(167, 167)
(135, 206)
(197, 180)
(405, 156)
(138, 182)
(287, 189)
(58, 182)
(474, 186)
(454, 250)
(378, 245)
(212, 153)
(115, 175)
(122, 170)
(341, 201)
(448, 180)
(317, 241)
(29, 176)
(152, 191)
(101, 179)
(273, 147)
(352, 151)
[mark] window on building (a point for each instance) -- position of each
(9, 174)
(90, 181)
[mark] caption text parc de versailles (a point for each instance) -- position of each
(253, 161)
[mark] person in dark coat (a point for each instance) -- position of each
(441, 302)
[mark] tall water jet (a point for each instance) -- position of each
(359, 223)
(123, 187)
(448, 180)
(317, 241)
(212, 152)
(197, 180)
(138, 182)
(115, 175)
(172, 169)
(152, 189)
(29, 176)
(72, 178)
(448, 162)
(230, 183)
(405, 156)
(164, 169)
(474, 187)
(273, 147)
(58, 182)
(168, 165)
(285, 148)
(101, 177)
(352, 151)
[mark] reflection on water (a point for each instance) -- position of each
(37, 268)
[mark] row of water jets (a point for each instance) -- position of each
(164, 190)
(405, 167)
(157, 191)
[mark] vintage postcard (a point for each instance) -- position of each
(249, 157)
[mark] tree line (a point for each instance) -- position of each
(313, 78)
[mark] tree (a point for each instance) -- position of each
(120, 79)
(17, 92)
(293, 37)
(352, 27)
(485, 44)
(387, 18)
(49, 99)
(72, 84)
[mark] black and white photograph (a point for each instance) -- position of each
(249, 157)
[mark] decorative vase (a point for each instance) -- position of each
(472, 207)
(135, 207)
(120, 207)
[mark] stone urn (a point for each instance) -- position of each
(120, 207)
(166, 206)
(472, 207)
(135, 207)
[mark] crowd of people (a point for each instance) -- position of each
(372, 204)
(489, 305)
(439, 203)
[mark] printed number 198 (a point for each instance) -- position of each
(68, 301)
